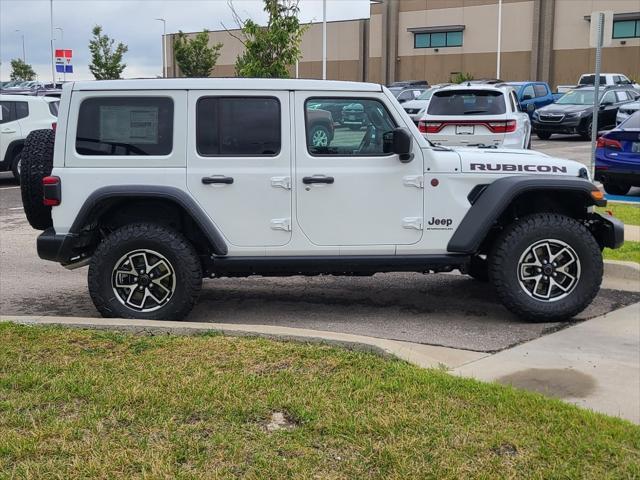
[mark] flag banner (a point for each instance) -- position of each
(63, 53)
(61, 68)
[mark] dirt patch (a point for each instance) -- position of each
(553, 382)
(279, 421)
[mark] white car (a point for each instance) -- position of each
(19, 116)
(157, 184)
(626, 110)
(416, 108)
(476, 116)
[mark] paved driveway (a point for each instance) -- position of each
(448, 310)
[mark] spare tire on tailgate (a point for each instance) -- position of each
(37, 163)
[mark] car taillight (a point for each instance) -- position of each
(608, 143)
(52, 191)
(502, 126)
(54, 125)
(430, 127)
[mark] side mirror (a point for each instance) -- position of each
(399, 141)
(526, 97)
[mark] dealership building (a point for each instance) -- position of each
(433, 40)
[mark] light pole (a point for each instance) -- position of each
(64, 66)
(324, 39)
(164, 48)
(499, 38)
(24, 56)
(53, 66)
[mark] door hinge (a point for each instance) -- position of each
(281, 224)
(413, 181)
(414, 223)
(281, 182)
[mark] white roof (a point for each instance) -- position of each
(17, 97)
(478, 86)
(226, 84)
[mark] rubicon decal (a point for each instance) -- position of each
(510, 167)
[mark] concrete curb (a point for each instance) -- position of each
(425, 356)
(619, 275)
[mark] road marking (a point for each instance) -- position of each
(7, 188)
(15, 208)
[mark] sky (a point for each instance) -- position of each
(132, 22)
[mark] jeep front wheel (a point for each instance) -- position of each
(145, 271)
(546, 267)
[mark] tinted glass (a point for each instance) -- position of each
(422, 40)
(246, 126)
(591, 79)
(625, 29)
(577, 97)
(7, 115)
(467, 102)
(528, 92)
(609, 97)
(426, 95)
(22, 110)
(438, 39)
(53, 108)
(364, 124)
(540, 90)
(454, 39)
(125, 126)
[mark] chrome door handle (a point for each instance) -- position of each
(317, 179)
(217, 179)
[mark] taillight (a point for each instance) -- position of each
(54, 125)
(608, 143)
(52, 191)
(502, 126)
(430, 127)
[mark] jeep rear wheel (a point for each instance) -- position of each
(36, 163)
(546, 267)
(145, 271)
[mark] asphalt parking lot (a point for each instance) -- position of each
(448, 310)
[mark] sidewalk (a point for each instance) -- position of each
(632, 233)
(595, 364)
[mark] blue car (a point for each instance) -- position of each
(618, 157)
(532, 95)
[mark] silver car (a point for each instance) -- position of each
(625, 111)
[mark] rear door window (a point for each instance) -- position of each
(138, 126)
(541, 90)
(22, 110)
(238, 126)
(467, 102)
(528, 92)
(7, 112)
(53, 108)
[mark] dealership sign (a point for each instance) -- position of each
(63, 61)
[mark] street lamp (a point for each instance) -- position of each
(164, 49)
(24, 56)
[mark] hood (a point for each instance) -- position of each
(416, 104)
(559, 108)
(512, 161)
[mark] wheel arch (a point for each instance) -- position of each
(508, 198)
(12, 150)
(116, 206)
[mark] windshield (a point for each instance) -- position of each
(577, 97)
(426, 95)
(591, 80)
(631, 123)
(467, 102)
(396, 91)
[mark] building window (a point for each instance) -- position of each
(437, 39)
(626, 29)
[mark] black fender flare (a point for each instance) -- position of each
(496, 198)
(218, 244)
(10, 153)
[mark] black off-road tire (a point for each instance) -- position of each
(37, 163)
(148, 236)
(616, 188)
(479, 269)
(16, 166)
(517, 238)
(544, 135)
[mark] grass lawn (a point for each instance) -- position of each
(82, 404)
(629, 214)
(629, 252)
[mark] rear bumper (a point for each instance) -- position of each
(621, 175)
(56, 248)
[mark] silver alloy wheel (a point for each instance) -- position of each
(143, 280)
(549, 270)
(320, 138)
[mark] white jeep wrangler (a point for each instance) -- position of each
(157, 184)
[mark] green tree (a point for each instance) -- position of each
(21, 70)
(106, 61)
(271, 50)
(194, 56)
(461, 77)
